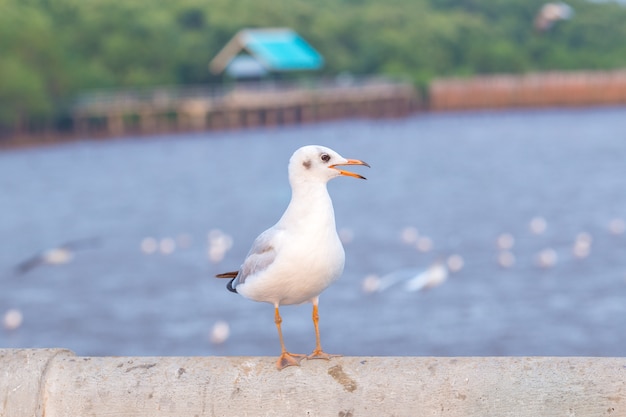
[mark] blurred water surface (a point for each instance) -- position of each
(460, 179)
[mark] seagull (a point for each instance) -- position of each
(435, 275)
(295, 260)
(58, 255)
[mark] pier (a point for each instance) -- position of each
(150, 111)
(239, 106)
(56, 383)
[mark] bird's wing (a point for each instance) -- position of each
(38, 259)
(28, 264)
(261, 255)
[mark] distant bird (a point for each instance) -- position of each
(506, 259)
(409, 235)
(455, 263)
(550, 13)
(12, 319)
(149, 245)
(505, 241)
(167, 246)
(538, 225)
(374, 283)
(617, 226)
(435, 275)
(547, 258)
(582, 245)
(415, 280)
(219, 244)
(58, 255)
(219, 333)
(424, 244)
(300, 256)
(370, 284)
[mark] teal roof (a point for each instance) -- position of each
(278, 49)
(282, 50)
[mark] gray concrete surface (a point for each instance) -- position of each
(56, 383)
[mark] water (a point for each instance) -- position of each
(461, 179)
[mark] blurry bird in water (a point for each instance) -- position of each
(58, 255)
(300, 256)
(435, 275)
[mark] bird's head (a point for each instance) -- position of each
(320, 163)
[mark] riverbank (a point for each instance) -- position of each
(109, 114)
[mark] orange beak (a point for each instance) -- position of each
(348, 173)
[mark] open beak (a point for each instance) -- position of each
(348, 173)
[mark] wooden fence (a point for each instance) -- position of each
(551, 89)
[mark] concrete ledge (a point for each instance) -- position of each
(56, 383)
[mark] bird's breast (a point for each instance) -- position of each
(304, 267)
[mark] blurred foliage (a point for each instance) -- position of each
(52, 49)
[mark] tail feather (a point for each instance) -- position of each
(227, 275)
(232, 276)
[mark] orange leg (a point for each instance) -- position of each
(286, 359)
(318, 353)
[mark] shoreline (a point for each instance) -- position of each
(154, 112)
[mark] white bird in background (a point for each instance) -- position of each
(506, 259)
(374, 283)
(415, 280)
(547, 258)
(220, 332)
(300, 256)
(12, 319)
(505, 241)
(435, 275)
(409, 235)
(538, 225)
(149, 245)
(219, 244)
(617, 226)
(582, 245)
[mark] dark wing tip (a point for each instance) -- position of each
(28, 264)
(230, 287)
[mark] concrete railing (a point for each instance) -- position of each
(51, 383)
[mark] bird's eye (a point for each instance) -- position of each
(325, 157)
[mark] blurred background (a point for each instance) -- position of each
(144, 146)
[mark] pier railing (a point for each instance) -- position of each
(281, 102)
(207, 107)
(239, 105)
(56, 383)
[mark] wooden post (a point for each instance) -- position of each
(115, 124)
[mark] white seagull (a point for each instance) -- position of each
(295, 260)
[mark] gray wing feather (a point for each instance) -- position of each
(261, 255)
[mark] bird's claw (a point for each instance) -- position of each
(289, 359)
(320, 354)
